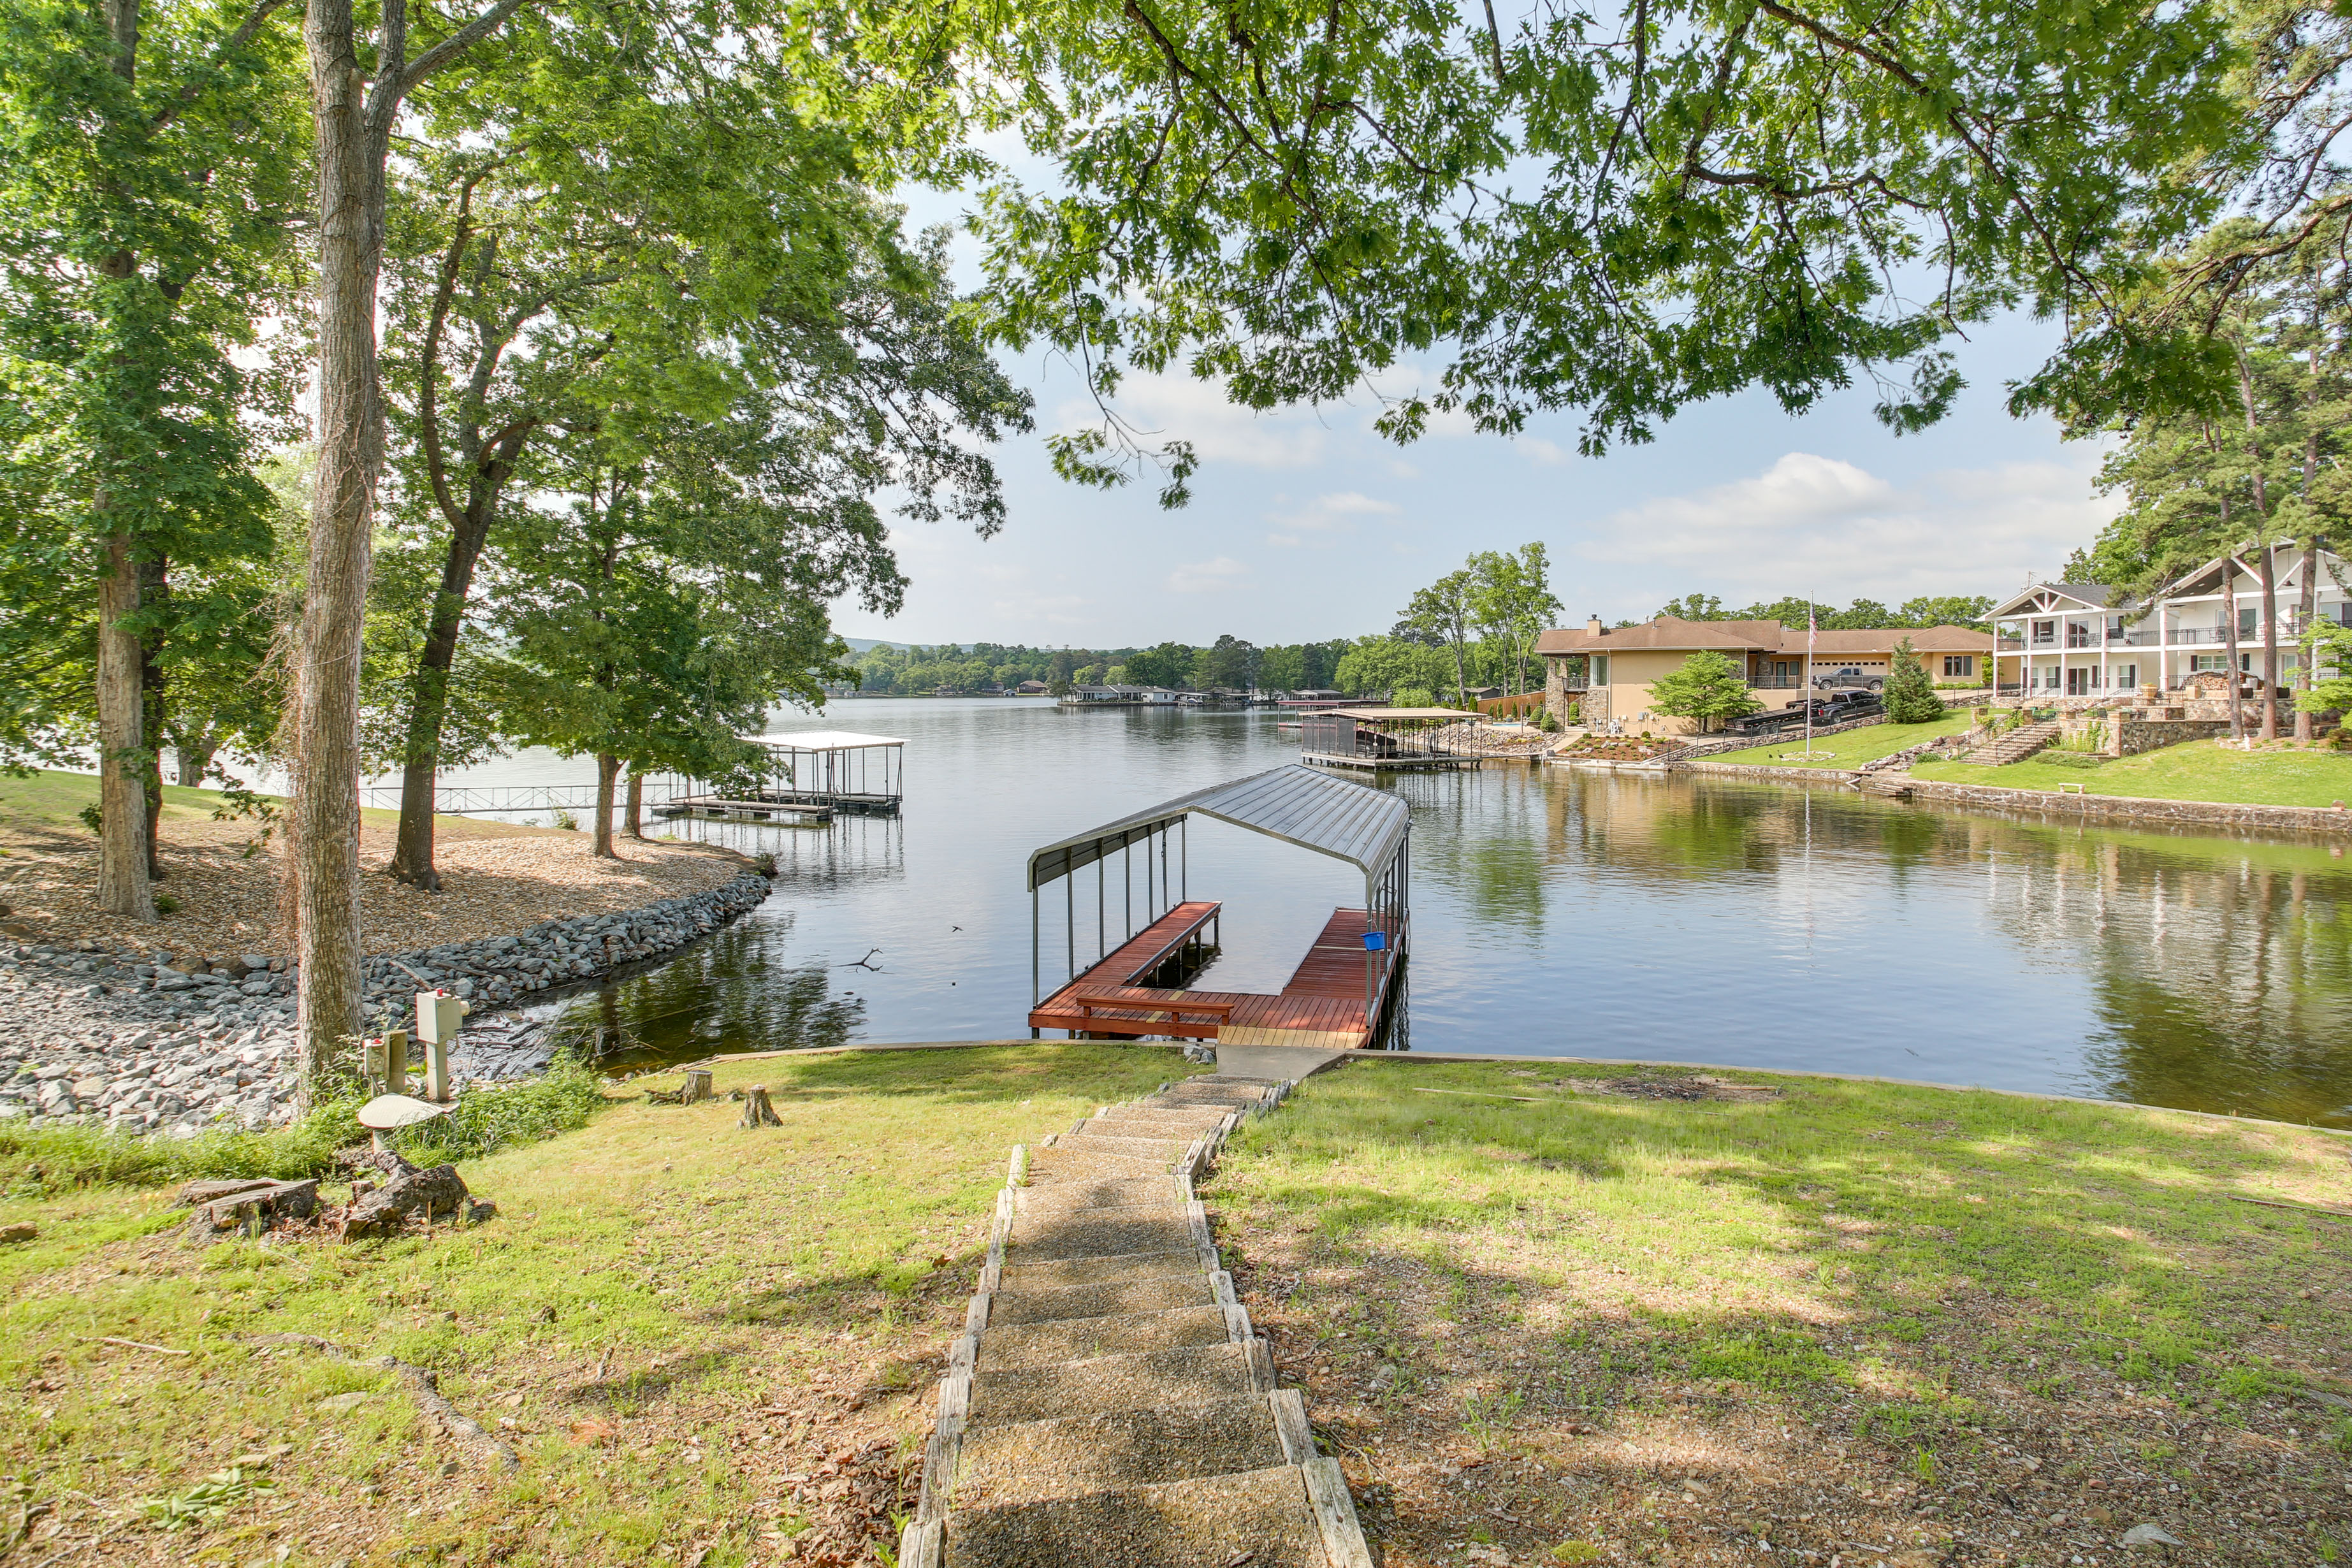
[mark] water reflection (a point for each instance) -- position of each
(1569, 912)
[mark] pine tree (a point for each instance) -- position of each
(1910, 695)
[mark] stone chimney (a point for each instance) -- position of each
(1593, 628)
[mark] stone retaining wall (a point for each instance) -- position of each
(1763, 771)
(2320, 821)
(108, 1040)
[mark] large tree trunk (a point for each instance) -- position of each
(637, 811)
(123, 887)
(323, 856)
(155, 589)
(608, 769)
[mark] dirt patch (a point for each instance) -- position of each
(496, 879)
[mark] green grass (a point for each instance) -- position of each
(2194, 769)
(48, 801)
(676, 1323)
(1849, 749)
(673, 1313)
(1925, 1280)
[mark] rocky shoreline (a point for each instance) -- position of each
(141, 1040)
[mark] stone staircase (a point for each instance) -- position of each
(2014, 745)
(1108, 1405)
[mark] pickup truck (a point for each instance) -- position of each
(1849, 680)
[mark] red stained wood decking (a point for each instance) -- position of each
(1325, 996)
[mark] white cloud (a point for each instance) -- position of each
(1826, 529)
(1332, 516)
(1186, 408)
(1219, 575)
(1535, 449)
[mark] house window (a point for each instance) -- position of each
(2249, 620)
(1600, 669)
(2080, 682)
(2199, 662)
(1959, 664)
(2126, 675)
(2046, 631)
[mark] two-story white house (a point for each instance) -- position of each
(2083, 640)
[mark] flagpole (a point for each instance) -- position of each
(1812, 629)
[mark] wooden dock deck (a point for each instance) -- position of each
(1322, 1005)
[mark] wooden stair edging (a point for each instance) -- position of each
(924, 1541)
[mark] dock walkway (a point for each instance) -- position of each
(1322, 1005)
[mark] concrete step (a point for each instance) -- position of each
(1101, 1232)
(1030, 1462)
(1261, 1518)
(1157, 1148)
(1089, 1193)
(1145, 1380)
(1101, 1299)
(1056, 1273)
(1070, 1161)
(1080, 1338)
(1144, 1113)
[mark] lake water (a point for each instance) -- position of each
(1556, 913)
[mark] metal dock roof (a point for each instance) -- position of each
(1347, 821)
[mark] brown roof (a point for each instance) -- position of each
(1669, 634)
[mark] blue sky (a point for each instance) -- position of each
(1305, 524)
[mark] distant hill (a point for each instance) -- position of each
(865, 644)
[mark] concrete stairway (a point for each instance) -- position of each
(1108, 1406)
(2014, 745)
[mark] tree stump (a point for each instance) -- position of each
(757, 1111)
(697, 1086)
(437, 1191)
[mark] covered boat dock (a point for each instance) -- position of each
(1137, 985)
(806, 775)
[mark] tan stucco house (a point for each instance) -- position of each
(1612, 673)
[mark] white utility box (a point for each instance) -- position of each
(438, 1015)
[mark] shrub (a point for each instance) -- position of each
(566, 821)
(1910, 696)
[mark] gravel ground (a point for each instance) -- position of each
(187, 1022)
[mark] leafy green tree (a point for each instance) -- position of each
(1512, 600)
(1696, 607)
(557, 263)
(2325, 643)
(1385, 664)
(149, 172)
(1707, 688)
(1230, 662)
(1442, 614)
(1168, 664)
(680, 594)
(1910, 694)
(1951, 610)
(1671, 201)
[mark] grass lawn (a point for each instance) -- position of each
(1849, 749)
(692, 1335)
(1588, 1326)
(2194, 769)
(50, 801)
(1957, 1328)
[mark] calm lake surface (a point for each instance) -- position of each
(1555, 912)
